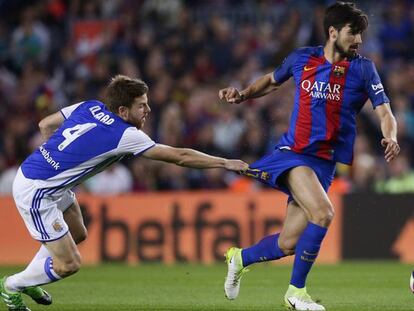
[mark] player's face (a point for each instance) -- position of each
(347, 42)
(139, 111)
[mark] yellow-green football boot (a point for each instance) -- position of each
(299, 299)
(235, 271)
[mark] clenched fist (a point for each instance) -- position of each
(231, 95)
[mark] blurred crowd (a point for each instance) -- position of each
(55, 53)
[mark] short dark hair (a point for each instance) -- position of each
(122, 91)
(342, 13)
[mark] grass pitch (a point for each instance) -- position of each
(356, 286)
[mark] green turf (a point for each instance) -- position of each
(356, 286)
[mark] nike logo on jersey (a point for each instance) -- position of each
(306, 68)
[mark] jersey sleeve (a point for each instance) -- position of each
(67, 111)
(373, 85)
(285, 70)
(134, 141)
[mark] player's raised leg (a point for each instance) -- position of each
(310, 195)
(53, 259)
(272, 247)
(64, 261)
(74, 220)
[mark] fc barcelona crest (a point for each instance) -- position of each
(258, 174)
(264, 176)
(339, 71)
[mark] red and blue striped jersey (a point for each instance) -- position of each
(327, 99)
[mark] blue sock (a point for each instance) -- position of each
(267, 249)
(306, 252)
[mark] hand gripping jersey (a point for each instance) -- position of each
(90, 139)
(327, 99)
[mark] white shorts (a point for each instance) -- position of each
(42, 208)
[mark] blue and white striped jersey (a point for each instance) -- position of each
(90, 139)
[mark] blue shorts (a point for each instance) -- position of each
(271, 167)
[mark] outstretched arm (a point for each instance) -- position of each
(192, 158)
(262, 86)
(389, 131)
(49, 124)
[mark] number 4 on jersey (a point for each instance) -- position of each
(75, 132)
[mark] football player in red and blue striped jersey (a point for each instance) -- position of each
(332, 83)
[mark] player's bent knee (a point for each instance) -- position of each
(287, 245)
(70, 269)
(69, 266)
(288, 252)
(323, 216)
